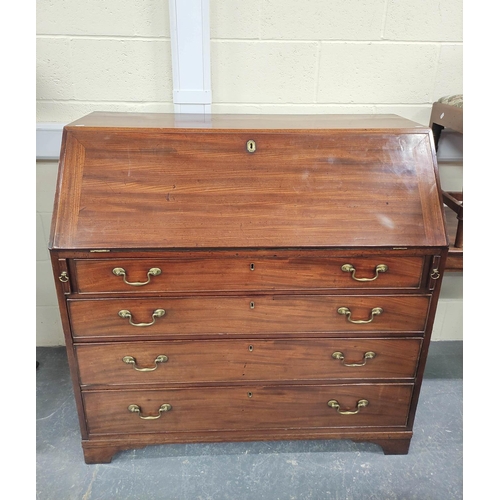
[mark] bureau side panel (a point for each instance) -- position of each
(62, 281)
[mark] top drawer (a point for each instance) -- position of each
(237, 273)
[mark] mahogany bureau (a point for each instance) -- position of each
(241, 278)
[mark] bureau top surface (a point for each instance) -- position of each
(167, 181)
(234, 122)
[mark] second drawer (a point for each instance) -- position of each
(250, 315)
(194, 362)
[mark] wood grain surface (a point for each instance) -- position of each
(229, 361)
(150, 188)
(246, 408)
(270, 315)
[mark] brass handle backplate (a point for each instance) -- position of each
(130, 360)
(158, 313)
(345, 311)
(119, 271)
(333, 403)
(348, 268)
(340, 356)
(137, 409)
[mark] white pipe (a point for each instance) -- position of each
(190, 41)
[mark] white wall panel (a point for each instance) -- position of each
(424, 20)
(322, 19)
(377, 72)
(129, 18)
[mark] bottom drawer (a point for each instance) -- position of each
(247, 408)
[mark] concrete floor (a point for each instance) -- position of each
(270, 471)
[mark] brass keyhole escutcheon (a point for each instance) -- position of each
(251, 146)
(250, 347)
(249, 394)
(252, 267)
(252, 305)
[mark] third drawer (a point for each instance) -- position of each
(202, 361)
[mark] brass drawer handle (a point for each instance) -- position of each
(434, 274)
(137, 409)
(348, 268)
(158, 313)
(340, 356)
(119, 271)
(345, 311)
(63, 277)
(130, 360)
(333, 403)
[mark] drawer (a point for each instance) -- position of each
(249, 315)
(246, 408)
(202, 361)
(246, 273)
